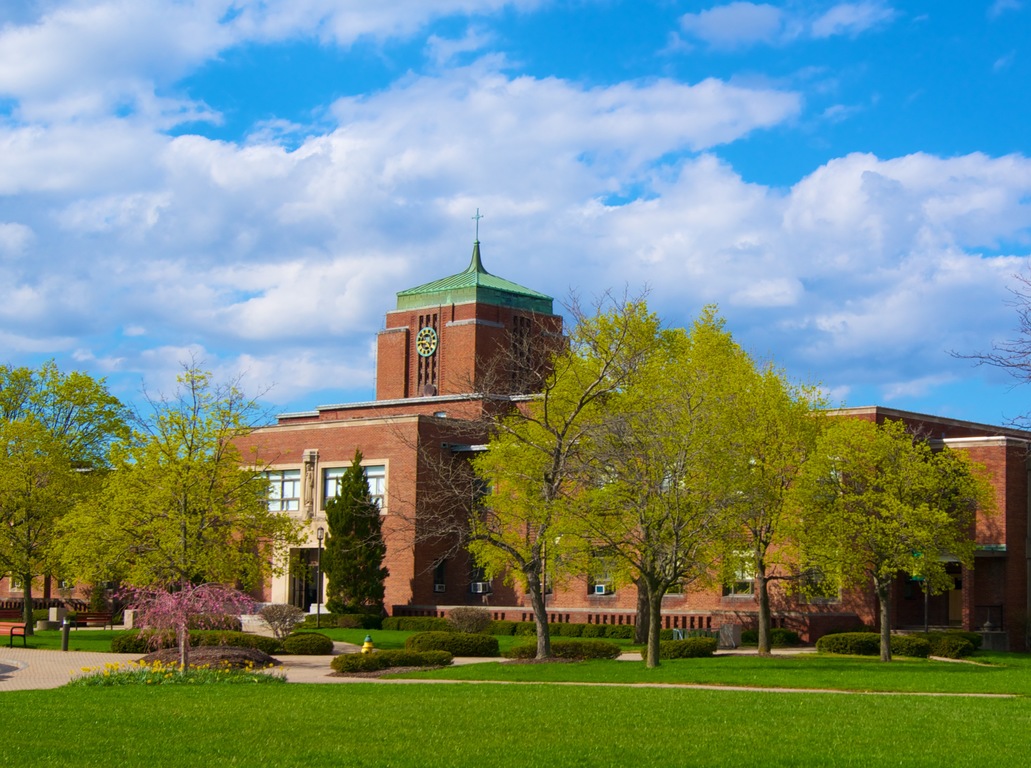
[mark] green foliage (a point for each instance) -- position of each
(156, 673)
(593, 630)
(417, 623)
(373, 662)
(469, 619)
(216, 621)
(353, 561)
(949, 645)
(689, 648)
(869, 644)
(619, 631)
(567, 630)
(134, 641)
(526, 629)
(200, 637)
(308, 644)
(455, 643)
(344, 621)
(582, 649)
(181, 506)
(779, 637)
(500, 627)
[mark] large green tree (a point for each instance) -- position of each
(878, 501)
(667, 465)
(55, 432)
(538, 454)
(182, 505)
(777, 426)
(355, 549)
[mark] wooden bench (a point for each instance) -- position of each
(85, 618)
(13, 630)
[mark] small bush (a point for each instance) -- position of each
(691, 648)
(417, 624)
(593, 630)
(40, 614)
(131, 641)
(910, 645)
(281, 618)
(567, 630)
(620, 631)
(455, 643)
(526, 629)
(579, 650)
(469, 619)
(850, 643)
(951, 645)
(308, 644)
(505, 628)
(373, 662)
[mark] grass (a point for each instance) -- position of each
(1007, 673)
(95, 640)
(488, 725)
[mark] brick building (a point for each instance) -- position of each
(471, 333)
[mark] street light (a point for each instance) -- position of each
(320, 534)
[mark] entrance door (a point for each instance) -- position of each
(304, 577)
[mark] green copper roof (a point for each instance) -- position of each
(474, 284)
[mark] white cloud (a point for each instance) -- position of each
(741, 24)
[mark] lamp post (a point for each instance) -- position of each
(320, 534)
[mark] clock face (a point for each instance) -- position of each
(426, 342)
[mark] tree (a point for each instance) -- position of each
(355, 549)
(778, 425)
(876, 501)
(181, 508)
(55, 431)
(667, 462)
(538, 453)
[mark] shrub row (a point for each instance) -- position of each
(779, 637)
(308, 644)
(689, 648)
(952, 645)
(373, 662)
(135, 641)
(455, 643)
(529, 629)
(344, 621)
(869, 644)
(416, 624)
(570, 649)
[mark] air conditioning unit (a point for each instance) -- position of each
(603, 589)
(480, 588)
(439, 587)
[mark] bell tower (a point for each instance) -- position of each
(465, 334)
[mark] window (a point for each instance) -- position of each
(17, 585)
(284, 493)
(478, 584)
(743, 581)
(601, 581)
(376, 475)
(440, 576)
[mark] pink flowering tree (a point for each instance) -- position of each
(201, 606)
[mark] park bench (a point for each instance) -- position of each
(11, 629)
(85, 618)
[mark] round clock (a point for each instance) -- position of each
(426, 342)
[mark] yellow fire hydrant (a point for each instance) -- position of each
(367, 646)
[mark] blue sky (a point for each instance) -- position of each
(249, 183)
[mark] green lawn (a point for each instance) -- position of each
(368, 724)
(96, 640)
(1009, 673)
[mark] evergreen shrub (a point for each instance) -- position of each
(505, 628)
(950, 645)
(593, 630)
(526, 629)
(455, 643)
(779, 637)
(417, 624)
(373, 662)
(579, 650)
(567, 630)
(308, 644)
(869, 644)
(910, 645)
(619, 631)
(689, 648)
(202, 637)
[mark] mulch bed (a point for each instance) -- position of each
(217, 656)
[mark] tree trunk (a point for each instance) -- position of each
(26, 605)
(762, 591)
(654, 625)
(884, 600)
(643, 613)
(540, 615)
(184, 648)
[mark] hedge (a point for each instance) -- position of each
(569, 649)
(372, 662)
(505, 628)
(952, 644)
(869, 644)
(455, 643)
(135, 641)
(308, 644)
(417, 624)
(343, 621)
(691, 648)
(779, 637)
